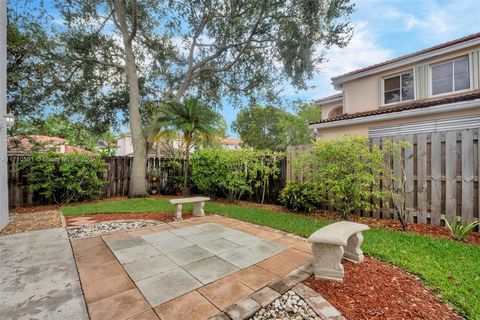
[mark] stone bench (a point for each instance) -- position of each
(198, 203)
(331, 243)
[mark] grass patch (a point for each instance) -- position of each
(123, 206)
(451, 268)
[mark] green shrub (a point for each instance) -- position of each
(63, 178)
(348, 170)
(300, 196)
(233, 173)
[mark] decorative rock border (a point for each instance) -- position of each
(289, 285)
(105, 227)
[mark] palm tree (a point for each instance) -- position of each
(198, 123)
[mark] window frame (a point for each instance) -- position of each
(393, 75)
(430, 78)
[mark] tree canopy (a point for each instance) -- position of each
(267, 127)
(112, 56)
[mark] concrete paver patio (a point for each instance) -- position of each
(38, 277)
(192, 269)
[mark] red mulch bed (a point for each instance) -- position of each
(376, 290)
(163, 217)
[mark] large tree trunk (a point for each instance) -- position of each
(138, 175)
(186, 166)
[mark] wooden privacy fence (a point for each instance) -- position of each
(442, 174)
(117, 180)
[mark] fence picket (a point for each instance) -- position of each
(409, 183)
(422, 178)
(436, 174)
(467, 176)
(451, 176)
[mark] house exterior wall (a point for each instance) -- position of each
(364, 94)
(328, 106)
(124, 146)
(362, 129)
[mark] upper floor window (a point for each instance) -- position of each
(451, 76)
(398, 88)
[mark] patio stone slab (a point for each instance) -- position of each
(241, 238)
(210, 269)
(285, 262)
(171, 245)
(148, 267)
(186, 231)
(39, 284)
(166, 286)
(147, 315)
(188, 255)
(225, 292)
(265, 296)
(246, 256)
(219, 246)
(191, 306)
(199, 238)
(243, 309)
(209, 226)
(255, 277)
(126, 243)
(162, 236)
(135, 253)
(121, 306)
(103, 281)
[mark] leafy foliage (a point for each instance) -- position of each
(460, 231)
(396, 183)
(198, 122)
(233, 173)
(64, 178)
(347, 171)
(59, 125)
(274, 128)
(300, 196)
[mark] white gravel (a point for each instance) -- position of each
(102, 228)
(289, 306)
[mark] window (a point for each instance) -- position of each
(398, 88)
(451, 76)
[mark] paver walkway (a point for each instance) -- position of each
(188, 270)
(38, 277)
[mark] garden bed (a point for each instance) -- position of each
(30, 219)
(377, 290)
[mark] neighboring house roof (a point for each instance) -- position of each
(406, 106)
(334, 97)
(22, 144)
(475, 36)
(231, 141)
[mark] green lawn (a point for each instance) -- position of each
(123, 206)
(449, 267)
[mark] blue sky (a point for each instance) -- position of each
(387, 29)
(384, 29)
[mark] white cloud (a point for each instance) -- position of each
(362, 50)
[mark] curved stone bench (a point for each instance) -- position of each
(198, 203)
(331, 243)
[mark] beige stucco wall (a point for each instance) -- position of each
(362, 129)
(328, 106)
(364, 94)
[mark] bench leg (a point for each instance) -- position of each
(327, 261)
(352, 250)
(198, 209)
(178, 212)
